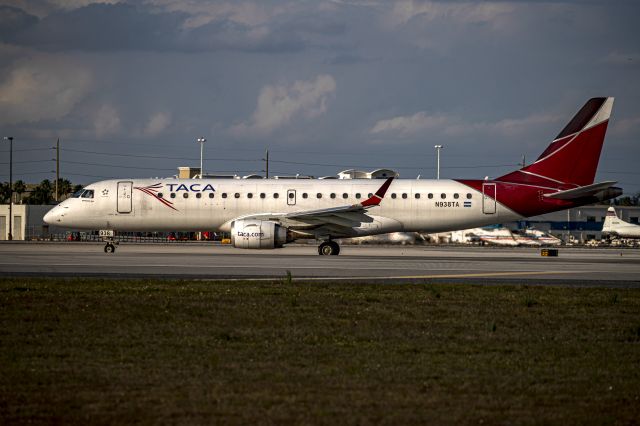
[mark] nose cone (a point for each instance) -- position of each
(52, 216)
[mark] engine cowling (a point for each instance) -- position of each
(257, 234)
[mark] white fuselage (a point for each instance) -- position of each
(212, 204)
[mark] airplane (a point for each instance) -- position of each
(269, 213)
(487, 235)
(618, 228)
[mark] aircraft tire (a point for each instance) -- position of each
(109, 248)
(329, 248)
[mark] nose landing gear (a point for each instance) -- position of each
(109, 248)
(329, 248)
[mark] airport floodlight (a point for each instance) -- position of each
(10, 139)
(438, 148)
(201, 140)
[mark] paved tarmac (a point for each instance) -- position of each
(367, 264)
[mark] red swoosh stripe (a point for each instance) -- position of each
(162, 200)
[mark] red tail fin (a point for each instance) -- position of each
(572, 158)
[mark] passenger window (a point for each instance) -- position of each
(198, 195)
(236, 195)
(456, 196)
(211, 195)
(443, 196)
(430, 196)
(291, 195)
(417, 196)
(173, 195)
(159, 194)
(304, 195)
(88, 193)
(345, 195)
(318, 195)
(249, 195)
(276, 195)
(468, 196)
(358, 195)
(333, 195)
(393, 196)
(185, 195)
(262, 195)
(404, 196)
(224, 195)
(370, 195)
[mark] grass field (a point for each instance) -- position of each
(106, 351)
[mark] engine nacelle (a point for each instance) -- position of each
(257, 234)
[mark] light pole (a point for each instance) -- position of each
(438, 148)
(10, 139)
(201, 141)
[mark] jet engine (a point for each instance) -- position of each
(257, 234)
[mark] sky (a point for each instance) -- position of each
(128, 86)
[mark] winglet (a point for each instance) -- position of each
(375, 199)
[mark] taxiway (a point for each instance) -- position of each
(482, 265)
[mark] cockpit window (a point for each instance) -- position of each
(83, 193)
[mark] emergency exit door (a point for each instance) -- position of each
(291, 197)
(124, 197)
(489, 198)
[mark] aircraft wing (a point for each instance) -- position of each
(583, 191)
(334, 221)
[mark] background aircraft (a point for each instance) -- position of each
(618, 228)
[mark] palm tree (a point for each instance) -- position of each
(19, 188)
(64, 188)
(4, 192)
(41, 194)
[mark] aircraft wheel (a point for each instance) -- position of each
(109, 248)
(329, 248)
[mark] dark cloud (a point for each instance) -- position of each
(121, 27)
(489, 80)
(14, 20)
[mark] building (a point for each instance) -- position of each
(360, 174)
(582, 223)
(27, 222)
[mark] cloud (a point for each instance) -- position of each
(42, 88)
(157, 123)
(626, 126)
(469, 12)
(422, 123)
(409, 125)
(170, 26)
(107, 121)
(243, 12)
(278, 105)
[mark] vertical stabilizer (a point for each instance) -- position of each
(572, 158)
(610, 220)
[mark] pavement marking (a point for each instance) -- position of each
(401, 277)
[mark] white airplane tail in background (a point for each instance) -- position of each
(617, 227)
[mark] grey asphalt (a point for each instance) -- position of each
(366, 264)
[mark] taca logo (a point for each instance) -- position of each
(194, 187)
(250, 234)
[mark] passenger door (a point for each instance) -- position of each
(489, 198)
(124, 197)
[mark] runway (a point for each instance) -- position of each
(367, 264)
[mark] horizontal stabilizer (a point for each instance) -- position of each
(581, 192)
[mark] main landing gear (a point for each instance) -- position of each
(329, 248)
